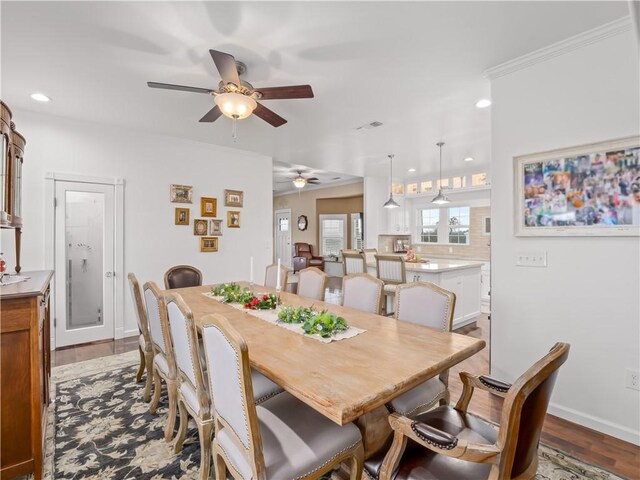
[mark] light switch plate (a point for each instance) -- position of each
(536, 258)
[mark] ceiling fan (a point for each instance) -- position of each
(300, 182)
(236, 98)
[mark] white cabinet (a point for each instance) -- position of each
(398, 218)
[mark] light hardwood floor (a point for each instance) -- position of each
(593, 447)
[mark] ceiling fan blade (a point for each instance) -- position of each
(212, 115)
(169, 86)
(312, 179)
(313, 182)
(226, 65)
(293, 91)
(269, 116)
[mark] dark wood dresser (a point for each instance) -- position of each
(25, 370)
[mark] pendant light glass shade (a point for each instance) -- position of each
(391, 203)
(440, 198)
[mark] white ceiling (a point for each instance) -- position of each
(415, 67)
(284, 173)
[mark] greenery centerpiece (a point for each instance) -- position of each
(324, 323)
(234, 293)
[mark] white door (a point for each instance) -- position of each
(283, 237)
(84, 262)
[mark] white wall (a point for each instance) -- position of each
(589, 293)
(149, 164)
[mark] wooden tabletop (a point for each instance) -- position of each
(35, 285)
(345, 379)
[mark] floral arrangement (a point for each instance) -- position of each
(234, 293)
(324, 323)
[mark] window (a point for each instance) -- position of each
(426, 186)
(357, 240)
(283, 224)
(397, 188)
(412, 188)
(444, 225)
(459, 182)
(333, 234)
(442, 183)
(478, 179)
(459, 225)
(429, 219)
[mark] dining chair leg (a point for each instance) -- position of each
(142, 364)
(219, 467)
(357, 463)
(172, 391)
(205, 432)
(182, 428)
(149, 366)
(157, 390)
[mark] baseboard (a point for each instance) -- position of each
(465, 320)
(615, 430)
(130, 333)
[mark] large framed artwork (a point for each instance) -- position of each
(591, 190)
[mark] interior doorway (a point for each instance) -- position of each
(282, 231)
(84, 251)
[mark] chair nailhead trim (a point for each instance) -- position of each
(319, 467)
(450, 446)
(493, 387)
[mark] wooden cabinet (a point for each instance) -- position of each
(25, 371)
(13, 144)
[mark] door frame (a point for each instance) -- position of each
(275, 235)
(50, 179)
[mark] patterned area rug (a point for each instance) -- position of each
(103, 430)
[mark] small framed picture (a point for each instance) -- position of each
(181, 193)
(233, 198)
(208, 207)
(182, 216)
(215, 228)
(200, 227)
(209, 244)
(233, 219)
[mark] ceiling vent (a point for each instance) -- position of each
(369, 126)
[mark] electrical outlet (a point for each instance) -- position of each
(632, 379)
(450, 249)
(531, 259)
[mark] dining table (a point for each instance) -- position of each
(347, 380)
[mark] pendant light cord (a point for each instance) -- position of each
(390, 175)
(440, 144)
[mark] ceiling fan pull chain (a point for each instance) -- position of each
(234, 129)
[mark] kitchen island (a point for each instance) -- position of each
(462, 277)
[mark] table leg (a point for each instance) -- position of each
(375, 429)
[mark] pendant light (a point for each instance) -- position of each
(441, 198)
(391, 203)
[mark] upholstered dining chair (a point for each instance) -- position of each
(426, 304)
(362, 292)
(164, 362)
(271, 276)
(448, 442)
(392, 271)
(145, 346)
(353, 262)
(312, 283)
(282, 438)
(182, 276)
(193, 389)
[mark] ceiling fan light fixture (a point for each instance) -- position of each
(235, 105)
(299, 181)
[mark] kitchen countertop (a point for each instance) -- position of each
(438, 265)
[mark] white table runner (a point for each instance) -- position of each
(271, 316)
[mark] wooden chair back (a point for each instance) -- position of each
(425, 303)
(230, 382)
(353, 262)
(312, 283)
(184, 338)
(138, 307)
(391, 269)
(370, 254)
(523, 413)
(362, 292)
(271, 276)
(159, 324)
(182, 276)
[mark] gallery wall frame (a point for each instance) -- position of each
(586, 190)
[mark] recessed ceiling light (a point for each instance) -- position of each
(40, 97)
(483, 103)
(411, 170)
(468, 159)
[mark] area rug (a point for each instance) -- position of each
(103, 430)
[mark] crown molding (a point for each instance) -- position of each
(567, 45)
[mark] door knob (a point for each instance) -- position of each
(109, 274)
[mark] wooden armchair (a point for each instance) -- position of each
(432, 445)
